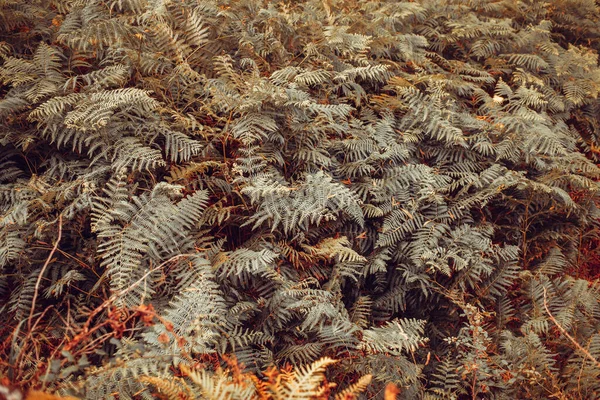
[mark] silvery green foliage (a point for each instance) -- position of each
(375, 182)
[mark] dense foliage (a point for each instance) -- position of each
(409, 188)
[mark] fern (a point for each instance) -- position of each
(407, 187)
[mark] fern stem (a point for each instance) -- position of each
(86, 331)
(39, 279)
(564, 331)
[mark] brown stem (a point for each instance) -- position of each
(41, 275)
(564, 332)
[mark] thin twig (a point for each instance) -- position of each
(25, 341)
(85, 330)
(136, 283)
(40, 276)
(564, 331)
